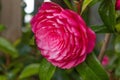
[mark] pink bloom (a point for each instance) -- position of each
(117, 5)
(105, 61)
(62, 35)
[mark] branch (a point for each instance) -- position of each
(104, 46)
(79, 5)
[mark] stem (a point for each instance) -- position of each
(104, 46)
(7, 60)
(111, 76)
(79, 4)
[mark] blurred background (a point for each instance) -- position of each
(19, 57)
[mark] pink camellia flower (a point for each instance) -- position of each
(105, 61)
(117, 5)
(62, 35)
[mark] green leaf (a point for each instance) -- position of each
(32, 41)
(118, 27)
(2, 27)
(70, 4)
(88, 3)
(85, 4)
(7, 48)
(94, 2)
(30, 70)
(91, 69)
(46, 70)
(96, 67)
(86, 73)
(100, 29)
(107, 13)
(2, 77)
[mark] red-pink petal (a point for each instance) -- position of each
(91, 42)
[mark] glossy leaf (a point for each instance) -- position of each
(29, 70)
(86, 73)
(7, 48)
(85, 4)
(100, 29)
(96, 66)
(91, 69)
(107, 13)
(46, 70)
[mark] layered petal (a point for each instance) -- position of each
(62, 35)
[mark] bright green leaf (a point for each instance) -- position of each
(91, 69)
(30, 70)
(107, 13)
(85, 4)
(118, 27)
(8, 48)
(46, 70)
(88, 3)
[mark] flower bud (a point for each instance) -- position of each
(117, 5)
